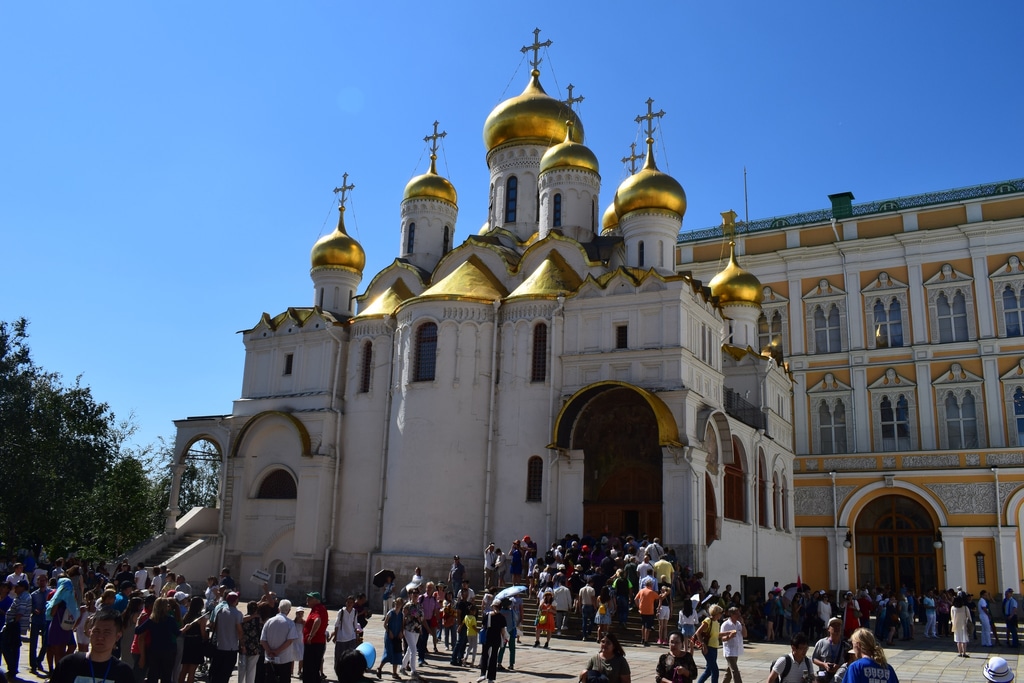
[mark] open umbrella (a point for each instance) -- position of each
(510, 592)
(382, 577)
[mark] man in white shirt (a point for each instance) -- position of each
(276, 638)
(732, 633)
(141, 577)
(563, 603)
(346, 629)
(489, 557)
(17, 575)
(655, 550)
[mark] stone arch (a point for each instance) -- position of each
(850, 508)
(668, 431)
(300, 428)
(196, 438)
(720, 426)
(259, 479)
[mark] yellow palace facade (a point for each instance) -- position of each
(902, 325)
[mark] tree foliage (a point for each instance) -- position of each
(70, 481)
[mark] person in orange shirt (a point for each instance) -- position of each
(646, 601)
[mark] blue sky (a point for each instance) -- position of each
(166, 167)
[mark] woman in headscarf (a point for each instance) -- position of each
(61, 634)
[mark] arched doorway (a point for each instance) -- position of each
(895, 538)
(200, 478)
(617, 430)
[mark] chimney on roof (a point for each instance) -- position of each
(842, 205)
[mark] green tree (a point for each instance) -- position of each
(64, 462)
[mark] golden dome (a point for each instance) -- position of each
(532, 116)
(649, 188)
(338, 250)
(569, 154)
(609, 219)
(431, 185)
(736, 285)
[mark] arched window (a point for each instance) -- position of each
(426, 353)
(762, 491)
(447, 244)
(279, 573)
(1018, 413)
(827, 330)
(366, 367)
(661, 254)
(534, 479)
(711, 525)
(895, 423)
(832, 427)
(556, 211)
(961, 421)
(640, 254)
(511, 194)
(785, 505)
(1013, 312)
(733, 489)
(278, 485)
(952, 317)
(888, 324)
(539, 365)
(410, 238)
(769, 328)
(777, 500)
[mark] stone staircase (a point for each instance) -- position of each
(631, 634)
(164, 555)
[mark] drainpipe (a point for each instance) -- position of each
(557, 311)
(835, 525)
(386, 436)
(337, 459)
(490, 425)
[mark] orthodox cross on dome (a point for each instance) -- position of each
(649, 117)
(570, 100)
(537, 45)
(632, 158)
(343, 190)
(432, 139)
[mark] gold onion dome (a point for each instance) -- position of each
(736, 285)
(532, 116)
(338, 250)
(609, 219)
(649, 189)
(431, 186)
(569, 154)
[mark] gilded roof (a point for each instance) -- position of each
(388, 301)
(551, 278)
(471, 280)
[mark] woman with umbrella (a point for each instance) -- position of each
(385, 579)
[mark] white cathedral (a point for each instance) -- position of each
(555, 373)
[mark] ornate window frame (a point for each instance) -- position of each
(1011, 381)
(825, 295)
(774, 303)
(884, 288)
(893, 385)
(958, 382)
(949, 281)
(1010, 274)
(831, 391)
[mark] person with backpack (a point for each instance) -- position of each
(794, 667)
(870, 664)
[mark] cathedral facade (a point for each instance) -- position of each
(555, 373)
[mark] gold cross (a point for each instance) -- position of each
(432, 139)
(632, 158)
(345, 187)
(649, 117)
(572, 100)
(537, 45)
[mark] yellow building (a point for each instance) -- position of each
(902, 323)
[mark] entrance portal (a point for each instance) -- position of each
(895, 537)
(618, 433)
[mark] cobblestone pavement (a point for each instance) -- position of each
(920, 660)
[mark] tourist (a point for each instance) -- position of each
(193, 632)
(688, 623)
(646, 603)
(732, 633)
(37, 629)
(546, 615)
(664, 614)
(796, 666)
(495, 635)
(512, 624)
(707, 635)
(676, 665)
(515, 562)
(489, 556)
(610, 662)
(61, 609)
(603, 617)
(472, 627)
(870, 664)
(392, 639)
(161, 649)
(16, 624)
(563, 603)
(1010, 614)
(228, 627)
(412, 624)
(829, 652)
(586, 603)
(105, 632)
(87, 608)
(314, 638)
(456, 573)
(928, 602)
(500, 567)
(276, 639)
(431, 611)
(249, 655)
(960, 616)
(985, 616)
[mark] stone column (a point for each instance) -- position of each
(172, 501)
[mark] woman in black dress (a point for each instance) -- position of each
(194, 637)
